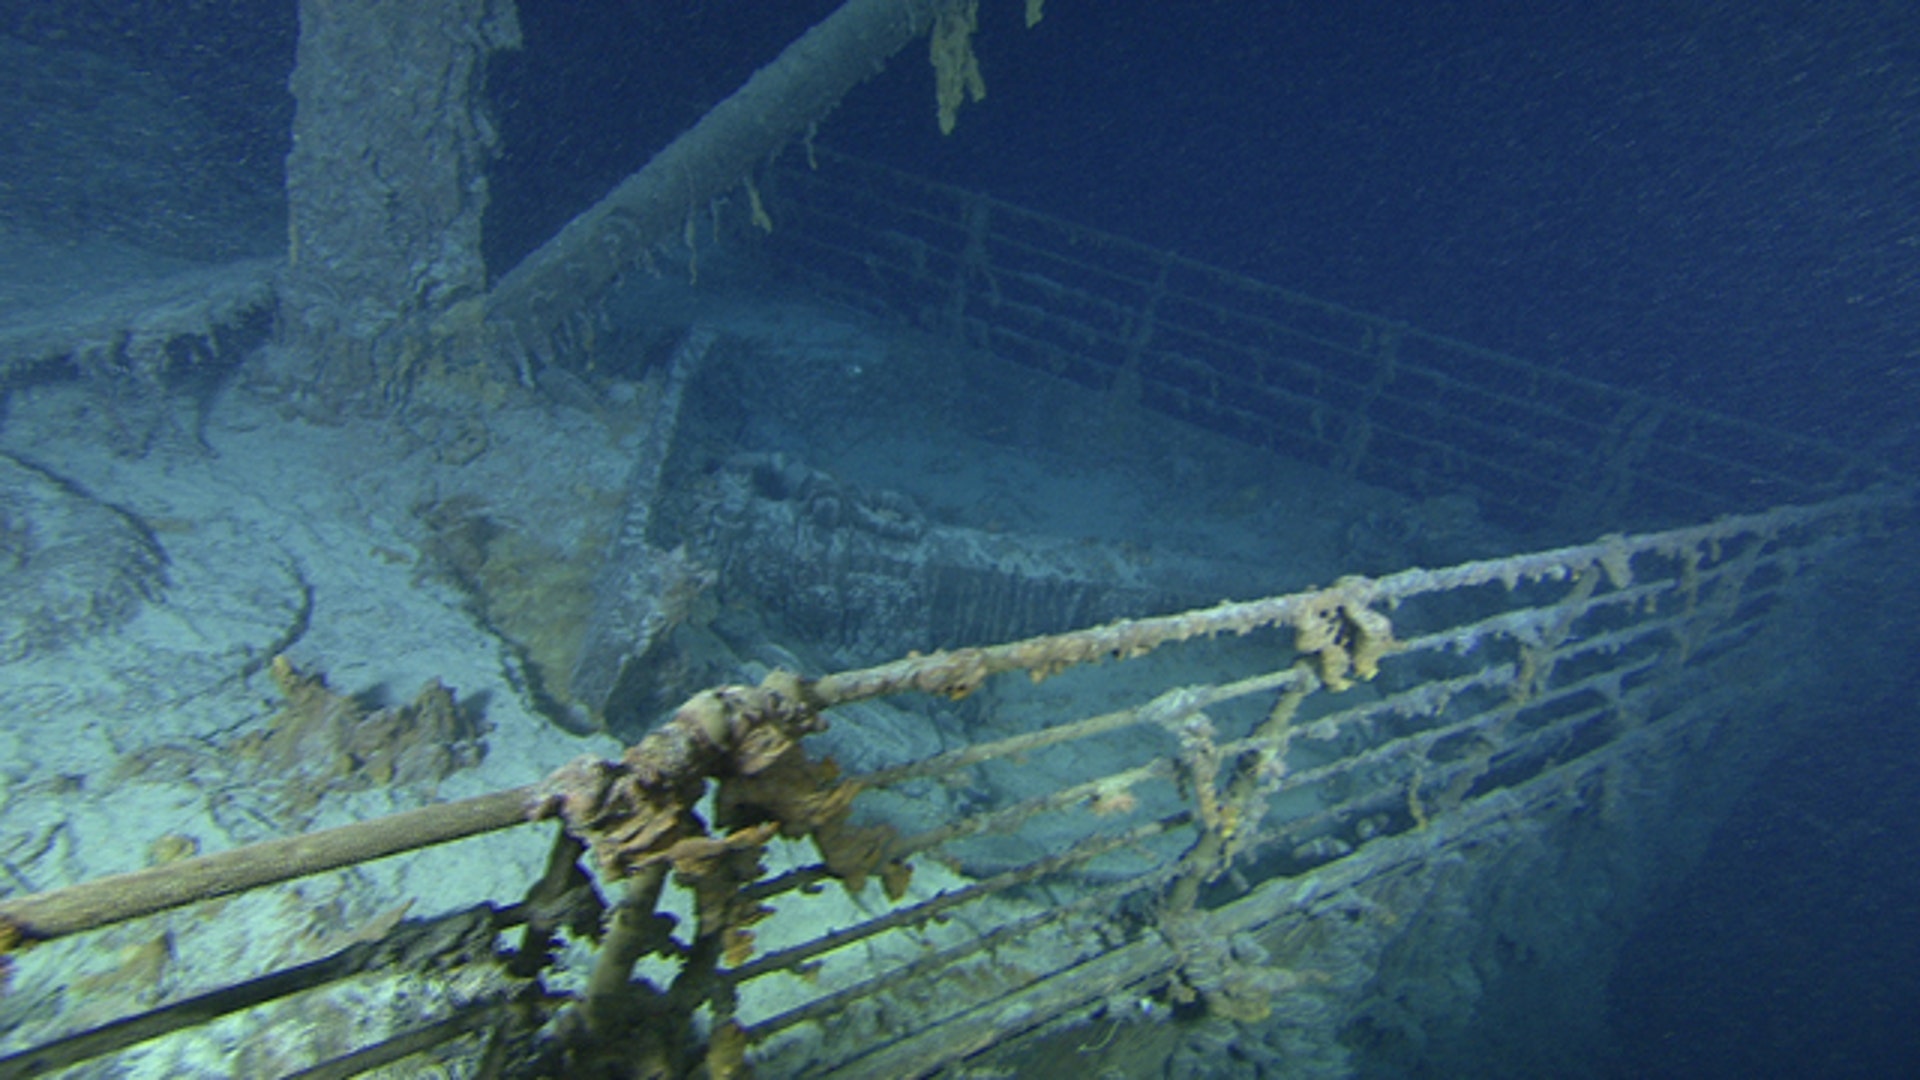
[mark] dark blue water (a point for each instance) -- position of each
(1719, 200)
(1716, 200)
(1722, 199)
(1792, 950)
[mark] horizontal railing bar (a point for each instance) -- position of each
(1189, 700)
(1270, 291)
(1679, 449)
(1171, 704)
(1385, 795)
(1151, 959)
(105, 901)
(1084, 850)
(1103, 899)
(481, 923)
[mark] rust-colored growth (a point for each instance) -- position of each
(640, 810)
(1046, 657)
(638, 815)
(137, 976)
(717, 869)
(953, 675)
(171, 848)
(324, 740)
(11, 940)
(1112, 798)
(727, 1052)
(630, 817)
(1348, 637)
